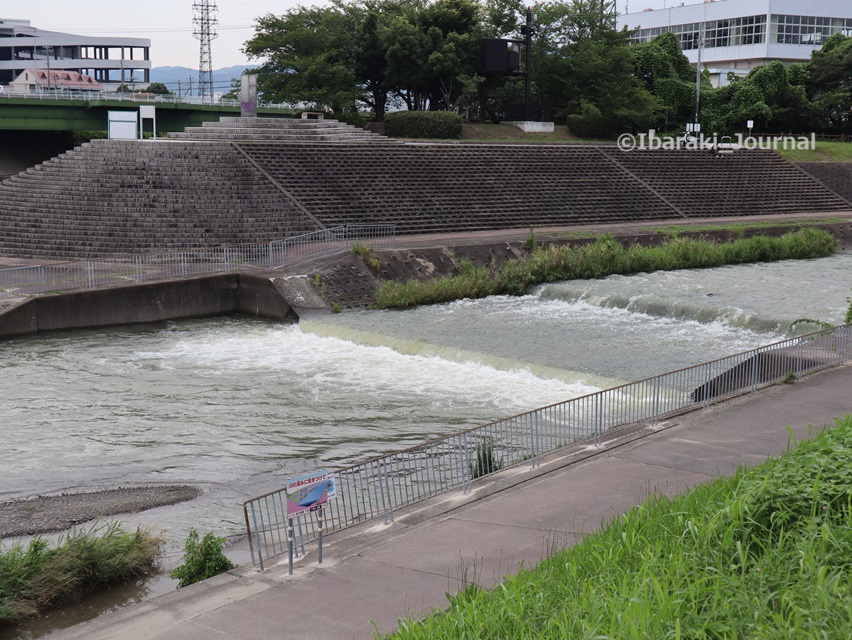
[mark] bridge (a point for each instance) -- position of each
(35, 112)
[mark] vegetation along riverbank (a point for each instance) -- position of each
(39, 575)
(604, 257)
(764, 554)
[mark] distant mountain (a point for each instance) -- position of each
(182, 78)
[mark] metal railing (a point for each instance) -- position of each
(133, 96)
(127, 269)
(378, 487)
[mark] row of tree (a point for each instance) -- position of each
(425, 55)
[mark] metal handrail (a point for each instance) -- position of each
(134, 96)
(128, 269)
(379, 486)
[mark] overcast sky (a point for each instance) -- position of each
(168, 23)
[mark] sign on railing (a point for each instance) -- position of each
(379, 486)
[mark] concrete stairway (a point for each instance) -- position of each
(111, 196)
(747, 182)
(280, 130)
(837, 176)
(427, 188)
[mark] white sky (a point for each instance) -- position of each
(168, 23)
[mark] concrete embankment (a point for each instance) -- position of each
(262, 296)
(327, 283)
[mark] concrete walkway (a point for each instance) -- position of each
(373, 575)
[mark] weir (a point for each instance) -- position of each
(379, 486)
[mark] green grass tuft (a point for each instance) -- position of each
(41, 575)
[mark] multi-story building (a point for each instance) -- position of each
(734, 36)
(110, 61)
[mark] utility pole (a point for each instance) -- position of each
(528, 30)
(205, 21)
(698, 70)
(47, 55)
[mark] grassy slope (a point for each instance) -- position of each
(765, 554)
(824, 152)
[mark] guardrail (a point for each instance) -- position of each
(378, 487)
(134, 96)
(128, 269)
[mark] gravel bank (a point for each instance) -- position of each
(56, 513)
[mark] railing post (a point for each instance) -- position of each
(466, 470)
(382, 491)
(271, 257)
(90, 274)
(290, 543)
(256, 533)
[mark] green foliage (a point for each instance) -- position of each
(848, 318)
(201, 560)
(423, 124)
(42, 575)
(159, 88)
(764, 554)
(486, 460)
(530, 243)
(366, 254)
(604, 257)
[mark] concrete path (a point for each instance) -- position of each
(373, 575)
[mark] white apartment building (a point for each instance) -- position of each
(110, 61)
(738, 35)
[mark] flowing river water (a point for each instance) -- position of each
(235, 406)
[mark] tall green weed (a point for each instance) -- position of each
(602, 258)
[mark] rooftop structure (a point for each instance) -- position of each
(36, 80)
(737, 35)
(109, 61)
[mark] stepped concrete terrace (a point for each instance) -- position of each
(279, 130)
(440, 188)
(113, 197)
(249, 180)
(837, 176)
(434, 188)
(746, 182)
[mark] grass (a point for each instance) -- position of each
(823, 152)
(738, 229)
(604, 257)
(42, 575)
(764, 554)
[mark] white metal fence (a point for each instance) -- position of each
(378, 487)
(132, 96)
(102, 272)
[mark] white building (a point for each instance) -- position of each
(110, 61)
(739, 35)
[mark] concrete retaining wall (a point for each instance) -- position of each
(150, 302)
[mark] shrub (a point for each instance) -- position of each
(201, 560)
(423, 124)
(592, 126)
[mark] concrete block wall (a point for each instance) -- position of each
(112, 197)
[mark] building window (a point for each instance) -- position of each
(717, 33)
(806, 30)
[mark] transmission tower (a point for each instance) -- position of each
(204, 21)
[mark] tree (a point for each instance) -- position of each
(666, 73)
(158, 88)
(773, 96)
(829, 84)
(308, 57)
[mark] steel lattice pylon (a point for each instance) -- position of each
(204, 21)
